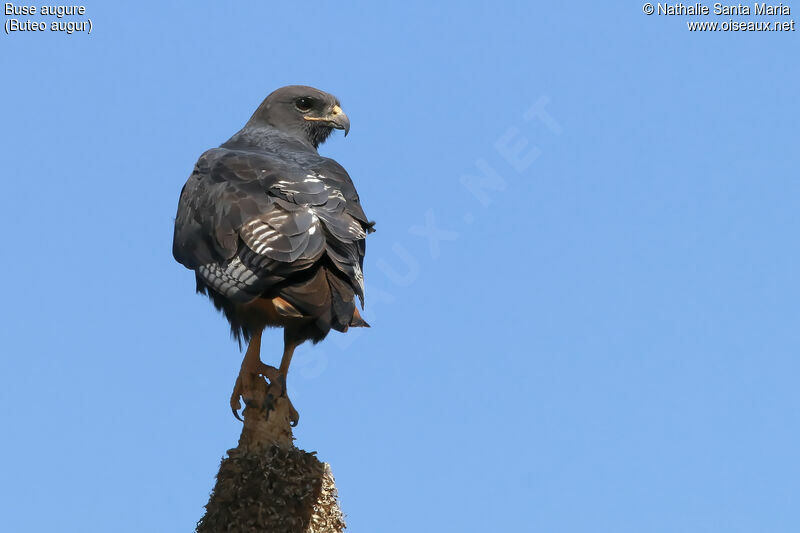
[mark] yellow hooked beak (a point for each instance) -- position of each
(336, 119)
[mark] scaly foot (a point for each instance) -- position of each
(277, 389)
(244, 385)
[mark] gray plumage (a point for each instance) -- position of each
(264, 216)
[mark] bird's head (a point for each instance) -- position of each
(303, 112)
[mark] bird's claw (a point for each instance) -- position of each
(244, 384)
(269, 402)
(235, 405)
(276, 389)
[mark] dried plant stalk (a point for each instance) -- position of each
(266, 484)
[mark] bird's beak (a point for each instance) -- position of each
(336, 119)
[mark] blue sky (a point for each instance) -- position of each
(602, 337)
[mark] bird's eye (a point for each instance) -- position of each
(303, 104)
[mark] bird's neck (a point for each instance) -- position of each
(266, 137)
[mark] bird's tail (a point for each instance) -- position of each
(343, 306)
(327, 296)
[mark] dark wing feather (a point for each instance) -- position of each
(337, 177)
(247, 221)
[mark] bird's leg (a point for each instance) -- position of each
(289, 345)
(290, 342)
(252, 367)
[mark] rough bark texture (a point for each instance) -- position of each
(267, 485)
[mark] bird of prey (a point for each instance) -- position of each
(275, 233)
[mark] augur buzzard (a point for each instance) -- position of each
(275, 232)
